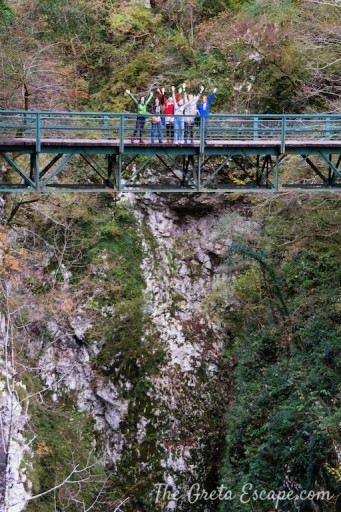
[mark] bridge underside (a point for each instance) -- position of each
(225, 166)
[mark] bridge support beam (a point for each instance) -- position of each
(26, 182)
(37, 171)
(160, 171)
(316, 169)
(169, 168)
(239, 170)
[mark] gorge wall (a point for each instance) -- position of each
(156, 342)
(159, 419)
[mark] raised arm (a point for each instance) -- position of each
(178, 96)
(175, 101)
(149, 98)
(185, 93)
(211, 98)
(188, 104)
(162, 95)
(132, 97)
(198, 96)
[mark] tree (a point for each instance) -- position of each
(6, 13)
(33, 74)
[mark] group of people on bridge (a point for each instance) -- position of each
(179, 114)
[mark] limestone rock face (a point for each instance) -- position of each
(184, 241)
(13, 446)
(182, 267)
(65, 366)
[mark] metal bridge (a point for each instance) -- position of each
(92, 152)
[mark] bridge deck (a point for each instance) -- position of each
(115, 143)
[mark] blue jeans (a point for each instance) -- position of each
(179, 126)
(157, 126)
(204, 120)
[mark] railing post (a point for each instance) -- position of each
(199, 173)
(276, 173)
(201, 149)
(119, 173)
(121, 133)
(28, 125)
(38, 134)
(202, 134)
(121, 151)
(327, 128)
(255, 127)
(38, 149)
(105, 127)
(283, 133)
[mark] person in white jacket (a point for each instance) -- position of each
(179, 121)
(190, 113)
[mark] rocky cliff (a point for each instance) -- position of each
(163, 422)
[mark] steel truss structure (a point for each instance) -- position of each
(93, 152)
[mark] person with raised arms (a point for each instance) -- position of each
(204, 110)
(156, 120)
(168, 110)
(191, 112)
(179, 121)
(141, 106)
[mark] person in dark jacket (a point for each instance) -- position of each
(141, 106)
(204, 110)
(156, 111)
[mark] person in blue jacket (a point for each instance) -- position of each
(204, 110)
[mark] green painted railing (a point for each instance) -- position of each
(221, 128)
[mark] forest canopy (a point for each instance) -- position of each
(279, 56)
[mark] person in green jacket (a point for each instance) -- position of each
(141, 106)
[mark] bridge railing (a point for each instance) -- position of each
(244, 127)
(314, 127)
(79, 126)
(38, 126)
(17, 124)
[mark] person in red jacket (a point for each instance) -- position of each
(168, 110)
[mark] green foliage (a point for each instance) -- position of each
(111, 46)
(275, 9)
(214, 6)
(134, 21)
(132, 55)
(286, 409)
(6, 13)
(62, 19)
(247, 290)
(114, 252)
(58, 450)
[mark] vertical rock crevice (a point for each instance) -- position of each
(182, 267)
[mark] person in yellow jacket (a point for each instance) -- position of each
(141, 106)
